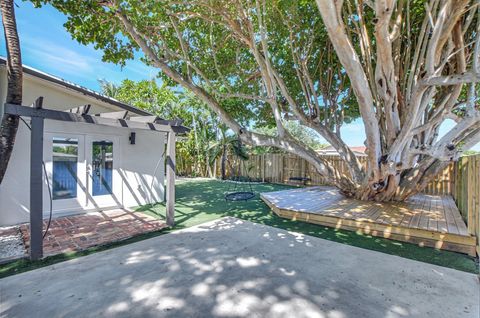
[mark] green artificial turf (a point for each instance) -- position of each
(202, 200)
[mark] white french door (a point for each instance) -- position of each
(104, 182)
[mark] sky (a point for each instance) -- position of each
(48, 47)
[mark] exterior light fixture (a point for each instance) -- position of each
(132, 138)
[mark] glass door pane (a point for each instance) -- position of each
(102, 164)
(64, 174)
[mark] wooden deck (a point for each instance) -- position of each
(426, 220)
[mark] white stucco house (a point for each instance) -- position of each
(88, 167)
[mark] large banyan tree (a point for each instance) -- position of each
(404, 67)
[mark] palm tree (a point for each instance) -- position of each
(108, 88)
(227, 144)
(9, 124)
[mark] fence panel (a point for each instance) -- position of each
(467, 193)
(279, 168)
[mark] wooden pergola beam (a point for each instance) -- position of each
(114, 115)
(88, 119)
(80, 109)
(144, 119)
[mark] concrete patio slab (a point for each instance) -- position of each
(234, 268)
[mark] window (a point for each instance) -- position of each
(102, 162)
(64, 175)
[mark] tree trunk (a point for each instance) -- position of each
(399, 188)
(208, 168)
(224, 159)
(214, 169)
(9, 124)
(365, 192)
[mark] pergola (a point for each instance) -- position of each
(38, 114)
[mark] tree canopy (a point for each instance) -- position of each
(404, 66)
(210, 56)
(209, 138)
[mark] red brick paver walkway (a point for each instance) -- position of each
(78, 232)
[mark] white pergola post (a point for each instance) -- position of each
(36, 184)
(170, 191)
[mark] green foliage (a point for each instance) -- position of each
(229, 144)
(147, 95)
(305, 134)
(470, 153)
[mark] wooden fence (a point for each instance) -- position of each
(466, 192)
(279, 168)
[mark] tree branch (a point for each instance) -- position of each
(331, 15)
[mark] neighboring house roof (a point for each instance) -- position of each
(360, 149)
(83, 90)
(330, 151)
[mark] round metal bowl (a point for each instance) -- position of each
(239, 196)
(299, 179)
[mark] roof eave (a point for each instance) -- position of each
(80, 89)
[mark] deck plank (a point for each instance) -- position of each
(432, 217)
(418, 213)
(442, 221)
(461, 226)
(451, 224)
(423, 223)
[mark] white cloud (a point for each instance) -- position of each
(81, 61)
(56, 57)
(356, 127)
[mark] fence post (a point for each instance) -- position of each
(470, 190)
(262, 166)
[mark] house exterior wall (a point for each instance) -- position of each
(138, 174)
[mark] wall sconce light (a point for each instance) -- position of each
(132, 138)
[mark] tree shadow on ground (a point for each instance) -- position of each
(237, 269)
(202, 200)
